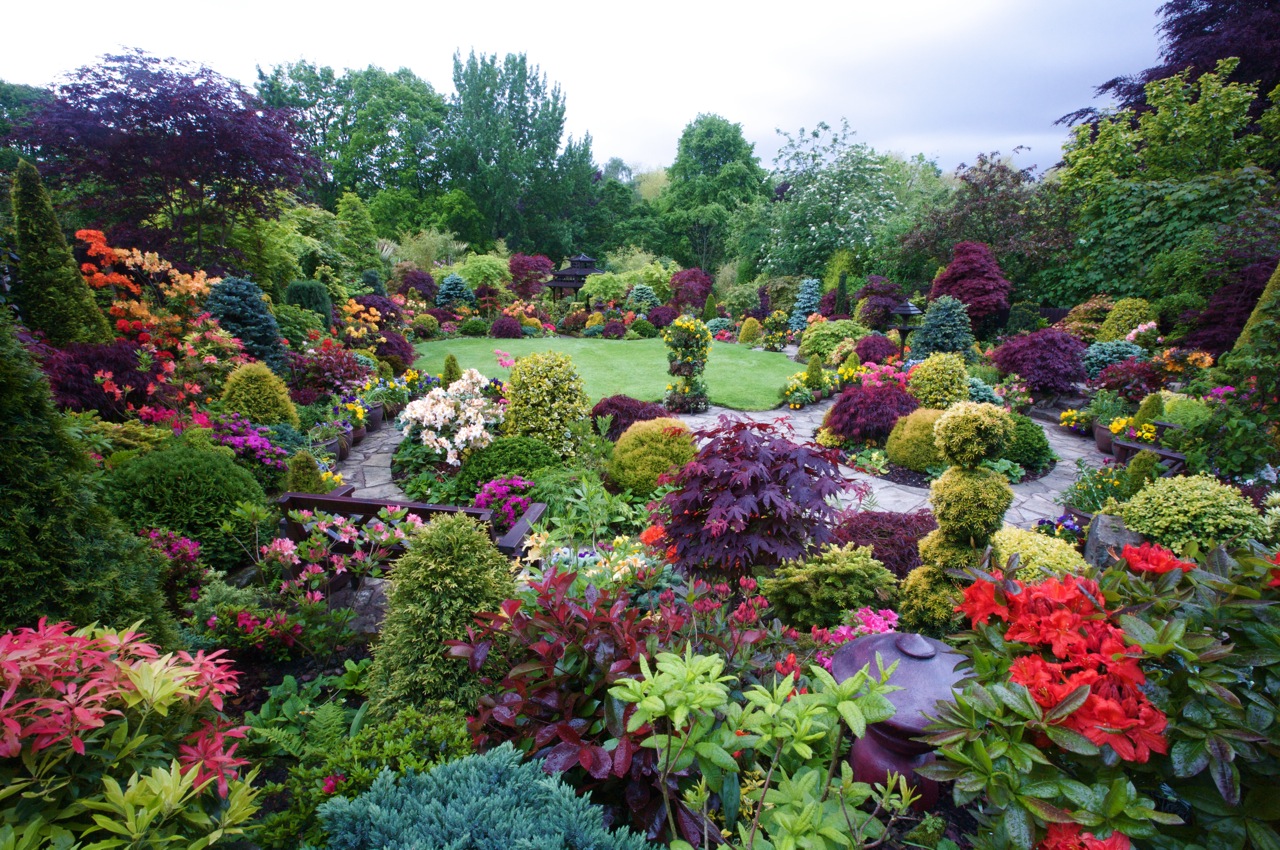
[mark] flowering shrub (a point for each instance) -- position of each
(775, 327)
(1088, 727)
(253, 447)
(112, 379)
(328, 368)
(689, 345)
(1145, 335)
(1049, 360)
(867, 412)
(455, 420)
(507, 498)
(859, 623)
(751, 496)
(90, 714)
(1084, 320)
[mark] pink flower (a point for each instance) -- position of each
(331, 783)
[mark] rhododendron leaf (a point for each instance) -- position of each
(1189, 758)
(1045, 811)
(854, 717)
(1071, 741)
(1119, 796)
(1020, 827)
(982, 702)
(1227, 779)
(1262, 836)
(1137, 630)
(1069, 704)
(1018, 700)
(1222, 693)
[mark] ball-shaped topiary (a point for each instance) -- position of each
(911, 443)
(189, 489)
(258, 394)
(503, 458)
(1039, 555)
(945, 327)
(1125, 316)
(644, 329)
(875, 348)
(425, 325)
(240, 309)
(647, 450)
(969, 504)
(751, 332)
(544, 399)
(475, 326)
(821, 590)
(1194, 509)
(970, 433)
(940, 381)
(449, 572)
(1029, 447)
(823, 337)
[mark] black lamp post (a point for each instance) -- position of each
(907, 311)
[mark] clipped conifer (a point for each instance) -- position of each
(452, 371)
(304, 475)
(239, 307)
(311, 295)
(807, 303)
(945, 328)
(258, 394)
(50, 293)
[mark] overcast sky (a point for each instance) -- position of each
(949, 79)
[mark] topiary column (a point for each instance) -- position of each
(689, 341)
(50, 293)
(807, 302)
(969, 503)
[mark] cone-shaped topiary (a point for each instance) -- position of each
(648, 449)
(911, 444)
(1150, 410)
(969, 433)
(1268, 306)
(449, 572)
(813, 377)
(807, 301)
(49, 292)
(820, 591)
(945, 328)
(940, 381)
(258, 394)
(62, 554)
(751, 332)
(452, 371)
(304, 475)
(238, 306)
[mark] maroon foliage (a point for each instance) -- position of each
(146, 140)
(1049, 360)
(864, 413)
(304, 396)
(750, 497)
(660, 317)
(420, 282)
(874, 348)
(529, 273)
(123, 382)
(974, 279)
(574, 322)
(390, 313)
(892, 536)
(395, 345)
(614, 330)
(506, 327)
(1216, 327)
(442, 315)
(327, 369)
(882, 295)
(1134, 379)
(827, 303)
(626, 411)
(690, 288)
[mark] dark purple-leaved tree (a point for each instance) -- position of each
(529, 273)
(882, 296)
(167, 155)
(690, 288)
(974, 279)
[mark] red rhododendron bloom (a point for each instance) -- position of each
(1149, 558)
(980, 603)
(1067, 836)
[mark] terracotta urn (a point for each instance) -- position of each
(927, 675)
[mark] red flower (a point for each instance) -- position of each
(1148, 558)
(1067, 836)
(652, 535)
(980, 603)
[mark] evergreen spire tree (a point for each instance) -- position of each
(62, 554)
(946, 328)
(50, 293)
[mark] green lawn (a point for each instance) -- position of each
(736, 376)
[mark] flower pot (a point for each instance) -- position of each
(358, 434)
(344, 444)
(1102, 438)
(1125, 450)
(331, 447)
(1082, 518)
(373, 417)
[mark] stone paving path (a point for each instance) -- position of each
(368, 468)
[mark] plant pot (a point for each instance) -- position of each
(373, 417)
(358, 434)
(344, 445)
(1124, 450)
(1082, 518)
(331, 447)
(1102, 438)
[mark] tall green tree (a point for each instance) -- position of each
(359, 238)
(715, 173)
(50, 292)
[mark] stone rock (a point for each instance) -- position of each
(1107, 533)
(369, 603)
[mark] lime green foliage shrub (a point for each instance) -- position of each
(644, 329)
(296, 324)
(940, 381)
(450, 571)
(191, 490)
(969, 433)
(304, 475)
(751, 332)
(911, 442)
(50, 293)
(1175, 512)
(1039, 555)
(1029, 447)
(1150, 410)
(822, 337)
(1143, 468)
(504, 457)
(485, 270)
(311, 295)
(1187, 412)
(1264, 309)
(814, 380)
(62, 554)
(648, 449)
(822, 590)
(414, 740)
(494, 801)
(426, 325)
(544, 399)
(970, 504)
(258, 394)
(595, 319)
(452, 371)
(927, 602)
(1126, 315)
(604, 287)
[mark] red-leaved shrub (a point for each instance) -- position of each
(882, 296)
(626, 411)
(1134, 379)
(395, 347)
(529, 273)
(660, 317)
(874, 348)
(974, 278)
(506, 327)
(614, 330)
(1049, 360)
(893, 537)
(868, 413)
(690, 288)
(109, 378)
